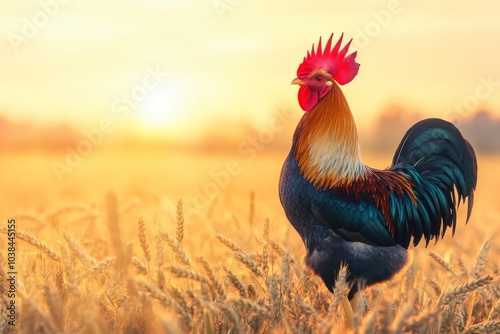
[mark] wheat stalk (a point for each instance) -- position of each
(233, 279)
(470, 311)
(446, 319)
(248, 262)
(214, 282)
(442, 262)
(265, 258)
(285, 273)
(459, 319)
(167, 301)
(199, 301)
(277, 247)
(274, 294)
(100, 266)
(55, 307)
(463, 269)
(61, 287)
(247, 305)
(495, 310)
(265, 247)
(358, 306)
(143, 241)
(252, 293)
(161, 279)
(179, 232)
(141, 267)
(481, 259)
(448, 297)
(251, 211)
(484, 327)
(69, 270)
(341, 289)
(176, 247)
(80, 253)
(304, 307)
(435, 286)
(160, 257)
(34, 241)
(230, 314)
(268, 292)
(267, 229)
(179, 298)
(240, 254)
(185, 273)
(229, 243)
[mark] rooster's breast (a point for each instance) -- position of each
(295, 195)
(327, 250)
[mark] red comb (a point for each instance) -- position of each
(343, 69)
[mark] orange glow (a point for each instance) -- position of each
(66, 63)
(161, 107)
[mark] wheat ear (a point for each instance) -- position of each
(214, 283)
(143, 241)
(248, 262)
(341, 289)
(179, 231)
(229, 243)
(168, 302)
(234, 280)
(481, 259)
(251, 211)
(176, 247)
(185, 273)
(80, 253)
(34, 241)
(442, 262)
(483, 327)
(448, 297)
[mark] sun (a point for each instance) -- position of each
(160, 107)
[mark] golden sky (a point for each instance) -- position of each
(181, 64)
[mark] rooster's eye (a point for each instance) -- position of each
(318, 78)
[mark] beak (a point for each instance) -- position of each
(299, 82)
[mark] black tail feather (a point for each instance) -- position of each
(446, 162)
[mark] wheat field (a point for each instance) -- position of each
(119, 247)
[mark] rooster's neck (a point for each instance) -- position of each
(327, 148)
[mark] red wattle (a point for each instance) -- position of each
(307, 98)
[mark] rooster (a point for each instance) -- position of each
(348, 213)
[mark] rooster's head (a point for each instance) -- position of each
(320, 68)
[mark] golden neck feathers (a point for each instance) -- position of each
(327, 150)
